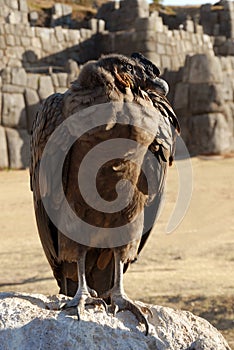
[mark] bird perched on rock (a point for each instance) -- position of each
(140, 124)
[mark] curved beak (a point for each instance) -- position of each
(159, 85)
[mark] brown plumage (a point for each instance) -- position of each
(82, 271)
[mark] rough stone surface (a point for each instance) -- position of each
(32, 81)
(205, 98)
(32, 105)
(210, 134)
(13, 110)
(202, 68)
(3, 149)
(18, 145)
(45, 87)
(30, 322)
(19, 76)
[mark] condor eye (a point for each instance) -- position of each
(129, 67)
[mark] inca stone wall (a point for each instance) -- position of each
(168, 49)
(21, 95)
(23, 45)
(216, 20)
(36, 61)
(203, 98)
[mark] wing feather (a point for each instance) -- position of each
(46, 121)
(163, 148)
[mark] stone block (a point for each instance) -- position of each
(181, 98)
(162, 38)
(54, 78)
(9, 88)
(10, 40)
(30, 31)
(189, 25)
(59, 33)
(15, 17)
(230, 48)
(25, 41)
(46, 44)
(3, 149)
(14, 62)
(165, 62)
(221, 50)
(175, 62)
(62, 79)
(226, 64)
(32, 105)
(210, 134)
(9, 28)
(93, 25)
(203, 68)
(33, 17)
(60, 90)
(159, 25)
(13, 110)
(17, 41)
(45, 87)
(220, 40)
(227, 88)
(32, 81)
(19, 76)
(18, 143)
(53, 40)
(6, 75)
(74, 36)
(23, 5)
(168, 49)
(188, 46)
(16, 52)
(36, 43)
(101, 26)
(141, 24)
(205, 98)
(66, 34)
(160, 49)
(2, 42)
(13, 4)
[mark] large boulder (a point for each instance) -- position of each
(210, 134)
(13, 110)
(3, 149)
(202, 68)
(32, 322)
(19, 150)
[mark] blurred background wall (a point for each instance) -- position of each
(194, 49)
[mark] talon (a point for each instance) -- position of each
(79, 303)
(121, 303)
(92, 292)
(115, 309)
(96, 301)
(145, 309)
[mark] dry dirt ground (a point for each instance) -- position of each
(191, 268)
